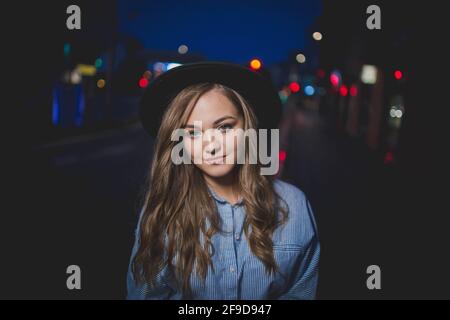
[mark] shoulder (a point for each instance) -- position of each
(301, 226)
(293, 197)
(288, 191)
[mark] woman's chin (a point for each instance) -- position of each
(217, 170)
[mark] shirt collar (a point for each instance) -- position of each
(221, 199)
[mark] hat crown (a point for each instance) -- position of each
(257, 90)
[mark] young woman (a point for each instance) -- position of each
(217, 228)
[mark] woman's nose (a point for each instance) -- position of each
(213, 147)
(212, 144)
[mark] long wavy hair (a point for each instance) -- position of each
(177, 203)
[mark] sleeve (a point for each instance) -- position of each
(306, 273)
(143, 291)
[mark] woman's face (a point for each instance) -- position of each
(213, 144)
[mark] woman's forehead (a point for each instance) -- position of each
(211, 106)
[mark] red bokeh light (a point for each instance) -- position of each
(282, 155)
(143, 83)
(255, 64)
(398, 74)
(343, 90)
(294, 87)
(334, 79)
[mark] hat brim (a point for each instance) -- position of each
(257, 90)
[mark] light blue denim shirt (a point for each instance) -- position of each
(239, 274)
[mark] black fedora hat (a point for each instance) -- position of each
(255, 88)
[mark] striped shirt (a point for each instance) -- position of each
(238, 273)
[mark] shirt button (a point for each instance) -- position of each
(231, 269)
(237, 236)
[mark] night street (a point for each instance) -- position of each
(347, 85)
(83, 185)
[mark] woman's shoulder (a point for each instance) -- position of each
(301, 221)
(288, 191)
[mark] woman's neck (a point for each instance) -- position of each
(226, 187)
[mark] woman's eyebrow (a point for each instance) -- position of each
(223, 118)
(190, 126)
(215, 122)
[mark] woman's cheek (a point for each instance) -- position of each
(188, 146)
(196, 151)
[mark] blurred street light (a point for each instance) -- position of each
(159, 67)
(172, 65)
(369, 74)
(300, 58)
(343, 90)
(86, 69)
(294, 87)
(335, 78)
(282, 155)
(396, 112)
(143, 83)
(66, 49)
(75, 77)
(147, 74)
(101, 83)
(309, 90)
(317, 36)
(398, 74)
(353, 90)
(255, 64)
(98, 63)
(183, 49)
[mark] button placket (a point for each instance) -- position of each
(237, 226)
(229, 257)
(233, 266)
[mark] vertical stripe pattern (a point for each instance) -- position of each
(241, 275)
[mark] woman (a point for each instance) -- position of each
(217, 228)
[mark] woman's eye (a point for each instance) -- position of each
(225, 127)
(194, 133)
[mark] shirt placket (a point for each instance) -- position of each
(230, 271)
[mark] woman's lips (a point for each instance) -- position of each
(216, 160)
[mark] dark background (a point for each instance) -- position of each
(72, 191)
